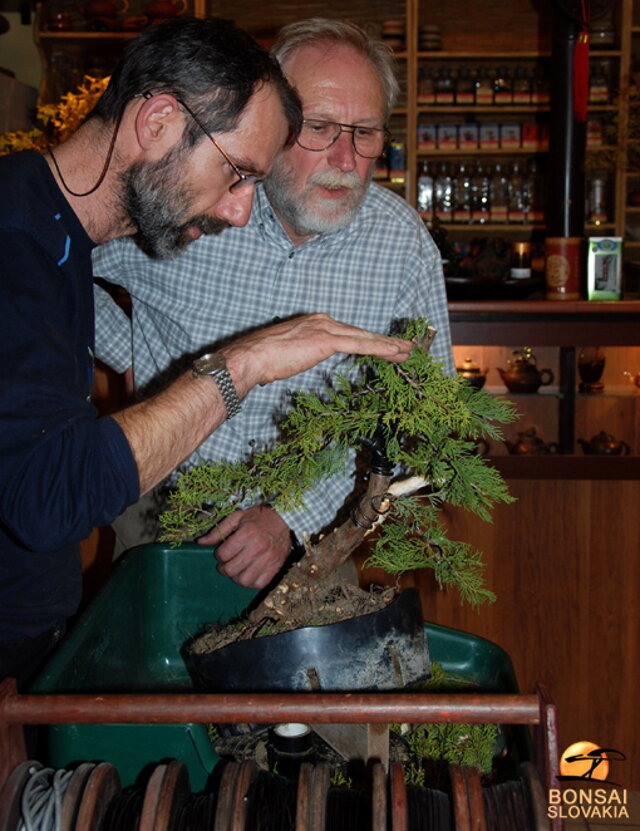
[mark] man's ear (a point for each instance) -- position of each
(158, 121)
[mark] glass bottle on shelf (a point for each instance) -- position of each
(521, 86)
(484, 88)
(425, 192)
(533, 194)
(540, 87)
(527, 195)
(444, 86)
(597, 211)
(499, 195)
(598, 83)
(502, 86)
(516, 211)
(426, 87)
(442, 195)
(461, 195)
(465, 87)
(480, 195)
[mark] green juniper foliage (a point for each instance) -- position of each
(428, 422)
(456, 744)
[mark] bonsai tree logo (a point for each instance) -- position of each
(588, 761)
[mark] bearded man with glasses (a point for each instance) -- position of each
(322, 237)
(141, 166)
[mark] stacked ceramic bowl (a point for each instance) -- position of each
(393, 34)
(429, 38)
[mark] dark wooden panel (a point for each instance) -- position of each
(545, 323)
(564, 563)
(568, 467)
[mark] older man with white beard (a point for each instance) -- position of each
(321, 237)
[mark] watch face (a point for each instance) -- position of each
(213, 362)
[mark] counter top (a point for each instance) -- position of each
(545, 307)
(545, 322)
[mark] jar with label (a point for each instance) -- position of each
(540, 87)
(444, 86)
(502, 86)
(521, 86)
(426, 87)
(465, 87)
(484, 88)
(599, 83)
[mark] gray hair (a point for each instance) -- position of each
(316, 30)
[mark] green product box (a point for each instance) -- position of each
(130, 640)
(604, 268)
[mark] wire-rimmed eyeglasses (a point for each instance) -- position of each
(244, 179)
(368, 142)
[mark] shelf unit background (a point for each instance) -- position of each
(616, 410)
(506, 31)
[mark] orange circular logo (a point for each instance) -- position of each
(585, 760)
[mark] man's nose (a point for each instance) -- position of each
(235, 206)
(342, 153)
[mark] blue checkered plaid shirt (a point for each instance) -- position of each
(382, 268)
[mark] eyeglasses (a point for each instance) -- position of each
(368, 142)
(243, 178)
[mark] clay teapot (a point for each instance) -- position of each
(102, 15)
(163, 9)
(529, 443)
(633, 379)
(604, 444)
(472, 373)
(522, 374)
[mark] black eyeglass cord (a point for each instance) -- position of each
(104, 169)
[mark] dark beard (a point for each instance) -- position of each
(158, 204)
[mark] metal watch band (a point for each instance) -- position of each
(215, 366)
(228, 392)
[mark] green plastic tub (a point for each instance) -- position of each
(130, 638)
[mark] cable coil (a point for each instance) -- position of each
(41, 801)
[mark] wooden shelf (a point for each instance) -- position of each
(105, 36)
(545, 322)
(594, 54)
(511, 227)
(483, 56)
(498, 109)
(557, 466)
(482, 151)
(490, 228)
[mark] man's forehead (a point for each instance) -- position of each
(320, 70)
(322, 58)
(262, 130)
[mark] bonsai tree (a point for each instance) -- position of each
(420, 428)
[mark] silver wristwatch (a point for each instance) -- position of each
(215, 365)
